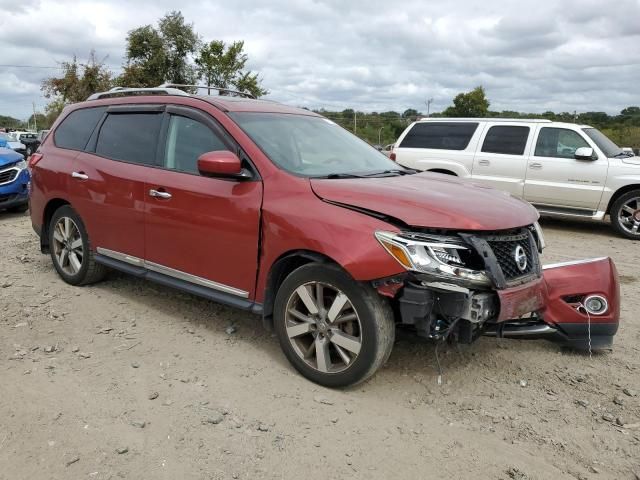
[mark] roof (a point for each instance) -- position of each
(500, 119)
(231, 101)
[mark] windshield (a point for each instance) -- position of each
(609, 148)
(312, 146)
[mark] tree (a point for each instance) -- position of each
(630, 111)
(77, 83)
(410, 113)
(155, 56)
(470, 104)
(222, 66)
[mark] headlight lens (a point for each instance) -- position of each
(541, 242)
(439, 256)
(21, 165)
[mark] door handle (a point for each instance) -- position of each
(159, 194)
(535, 165)
(80, 175)
(484, 163)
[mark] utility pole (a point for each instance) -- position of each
(35, 122)
(379, 135)
(428, 104)
(355, 121)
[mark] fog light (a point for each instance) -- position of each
(596, 305)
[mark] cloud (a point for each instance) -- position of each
(371, 55)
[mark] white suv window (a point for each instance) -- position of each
(506, 139)
(558, 142)
(439, 135)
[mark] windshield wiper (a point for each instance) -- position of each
(341, 175)
(396, 171)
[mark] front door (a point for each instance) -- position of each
(555, 178)
(500, 161)
(200, 229)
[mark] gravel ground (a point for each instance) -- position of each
(127, 379)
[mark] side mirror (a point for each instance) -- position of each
(584, 153)
(222, 163)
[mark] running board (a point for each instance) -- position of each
(569, 212)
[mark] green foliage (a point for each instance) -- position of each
(158, 55)
(10, 122)
(470, 104)
(78, 81)
(223, 65)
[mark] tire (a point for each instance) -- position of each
(625, 215)
(75, 241)
(366, 340)
(19, 209)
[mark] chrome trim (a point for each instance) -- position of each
(195, 279)
(574, 262)
(14, 178)
(123, 257)
(171, 272)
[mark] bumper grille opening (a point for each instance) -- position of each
(8, 176)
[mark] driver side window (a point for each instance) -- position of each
(558, 143)
(187, 139)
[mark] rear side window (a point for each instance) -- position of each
(130, 137)
(506, 139)
(440, 135)
(75, 130)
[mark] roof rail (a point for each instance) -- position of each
(208, 88)
(486, 119)
(124, 91)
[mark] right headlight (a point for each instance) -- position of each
(441, 257)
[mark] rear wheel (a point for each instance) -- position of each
(334, 330)
(625, 214)
(70, 249)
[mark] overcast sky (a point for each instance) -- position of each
(532, 56)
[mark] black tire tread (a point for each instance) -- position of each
(614, 213)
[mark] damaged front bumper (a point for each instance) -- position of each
(564, 317)
(551, 306)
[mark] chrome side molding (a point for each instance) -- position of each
(171, 272)
(573, 262)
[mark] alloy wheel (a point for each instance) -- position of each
(67, 246)
(323, 327)
(629, 216)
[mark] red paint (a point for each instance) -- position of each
(432, 201)
(599, 277)
(219, 163)
(520, 300)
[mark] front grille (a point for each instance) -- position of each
(505, 248)
(8, 176)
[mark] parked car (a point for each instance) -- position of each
(7, 140)
(563, 169)
(32, 141)
(14, 181)
(281, 212)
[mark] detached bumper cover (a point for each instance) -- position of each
(558, 296)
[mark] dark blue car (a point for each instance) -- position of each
(14, 181)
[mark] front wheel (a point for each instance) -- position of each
(625, 214)
(334, 330)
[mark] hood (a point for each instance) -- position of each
(430, 200)
(16, 145)
(8, 156)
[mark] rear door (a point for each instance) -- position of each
(199, 229)
(556, 178)
(109, 179)
(500, 161)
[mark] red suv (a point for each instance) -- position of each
(281, 212)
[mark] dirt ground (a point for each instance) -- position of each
(127, 379)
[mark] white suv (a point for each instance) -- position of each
(562, 168)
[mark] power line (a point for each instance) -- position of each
(28, 66)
